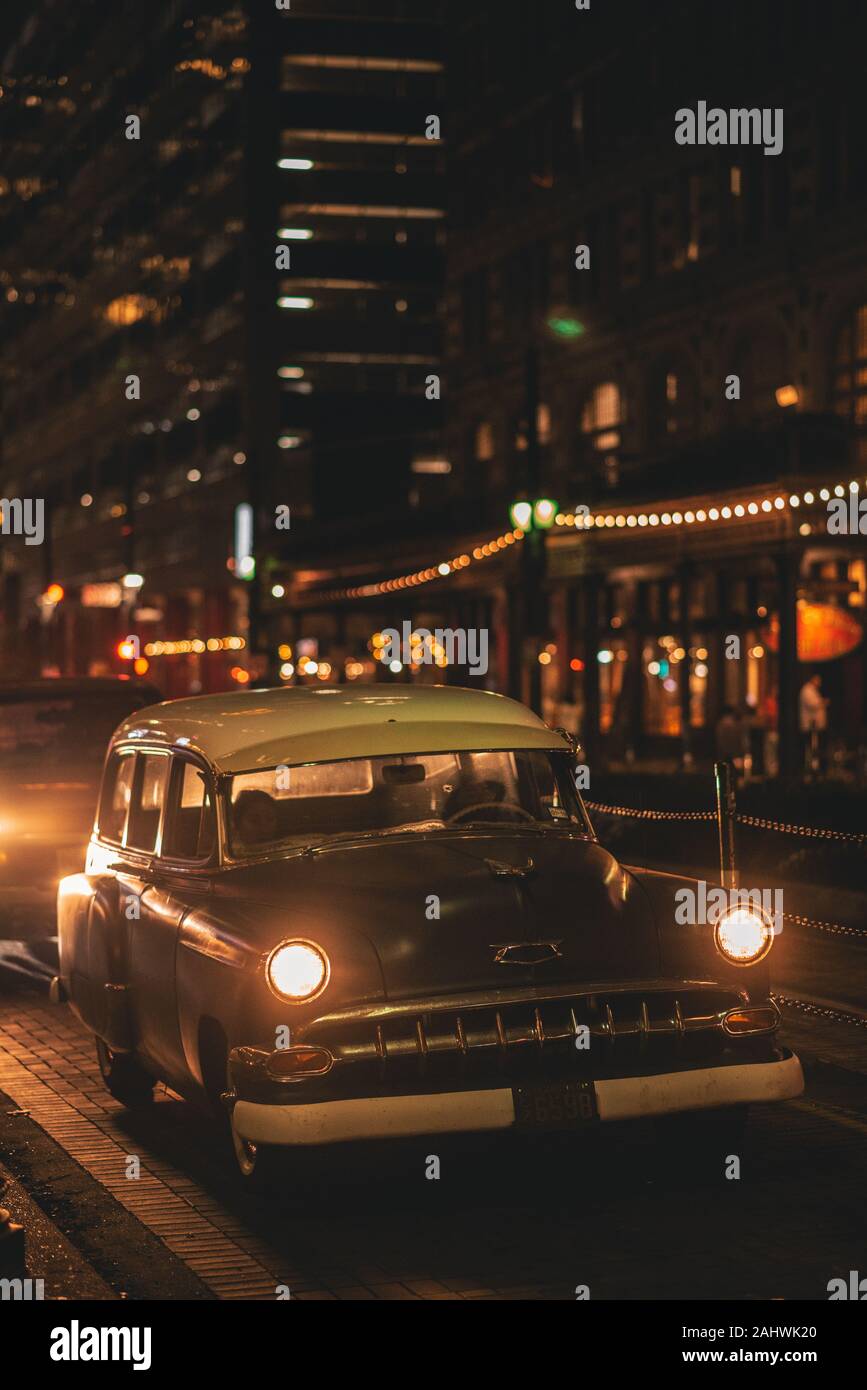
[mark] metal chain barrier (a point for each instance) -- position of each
(832, 928)
(820, 1010)
(648, 815)
(808, 831)
(757, 823)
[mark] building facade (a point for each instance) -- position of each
(220, 265)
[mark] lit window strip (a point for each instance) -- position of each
(655, 520)
(361, 62)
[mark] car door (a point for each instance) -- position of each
(174, 883)
(150, 914)
(91, 932)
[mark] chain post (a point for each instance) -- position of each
(726, 811)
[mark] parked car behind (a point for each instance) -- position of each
(53, 735)
(349, 914)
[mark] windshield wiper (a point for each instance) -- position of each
(341, 836)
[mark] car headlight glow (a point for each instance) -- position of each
(743, 935)
(297, 971)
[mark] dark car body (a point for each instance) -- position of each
(480, 973)
(53, 735)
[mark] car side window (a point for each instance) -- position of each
(116, 794)
(146, 802)
(192, 827)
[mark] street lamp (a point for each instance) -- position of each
(532, 514)
(535, 518)
(539, 515)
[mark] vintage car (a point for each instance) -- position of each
(353, 913)
(53, 734)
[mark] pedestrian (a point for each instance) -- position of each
(813, 720)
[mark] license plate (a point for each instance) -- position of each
(555, 1105)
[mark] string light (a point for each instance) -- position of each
(586, 521)
(582, 520)
(444, 570)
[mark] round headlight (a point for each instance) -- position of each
(743, 935)
(297, 971)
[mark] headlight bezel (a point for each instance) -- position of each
(314, 948)
(767, 928)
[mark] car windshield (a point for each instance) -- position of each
(55, 732)
(288, 806)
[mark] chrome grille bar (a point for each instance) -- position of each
(539, 1023)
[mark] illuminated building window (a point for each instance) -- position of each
(602, 411)
(130, 308)
(850, 377)
(601, 423)
(701, 232)
(353, 63)
(369, 210)
(356, 137)
(484, 442)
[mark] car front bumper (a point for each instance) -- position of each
(460, 1112)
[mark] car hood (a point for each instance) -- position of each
(447, 912)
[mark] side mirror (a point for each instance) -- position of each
(575, 747)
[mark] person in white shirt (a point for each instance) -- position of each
(813, 720)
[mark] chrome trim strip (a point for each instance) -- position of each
(207, 937)
(770, 1007)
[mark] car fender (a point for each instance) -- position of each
(92, 956)
(687, 950)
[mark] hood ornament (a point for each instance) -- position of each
(501, 870)
(527, 952)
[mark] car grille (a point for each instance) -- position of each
(625, 1023)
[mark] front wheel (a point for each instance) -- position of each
(124, 1077)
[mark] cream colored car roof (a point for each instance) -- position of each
(238, 732)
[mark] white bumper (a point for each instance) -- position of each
(455, 1112)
